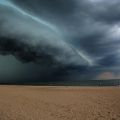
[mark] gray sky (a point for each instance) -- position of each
(59, 39)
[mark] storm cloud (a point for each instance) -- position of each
(77, 39)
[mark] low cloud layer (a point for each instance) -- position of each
(77, 39)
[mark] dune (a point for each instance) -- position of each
(59, 103)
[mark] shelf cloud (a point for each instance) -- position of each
(76, 39)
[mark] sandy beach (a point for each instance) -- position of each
(59, 103)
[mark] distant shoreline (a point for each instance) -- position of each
(99, 83)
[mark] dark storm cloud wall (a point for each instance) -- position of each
(34, 38)
(63, 13)
(57, 7)
(79, 33)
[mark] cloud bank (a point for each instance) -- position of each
(77, 39)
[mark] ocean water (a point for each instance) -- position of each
(69, 83)
(80, 83)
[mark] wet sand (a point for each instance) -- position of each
(59, 103)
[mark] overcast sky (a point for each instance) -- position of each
(59, 40)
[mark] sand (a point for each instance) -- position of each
(59, 103)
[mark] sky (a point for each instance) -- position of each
(57, 40)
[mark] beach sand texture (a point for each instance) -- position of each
(59, 103)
